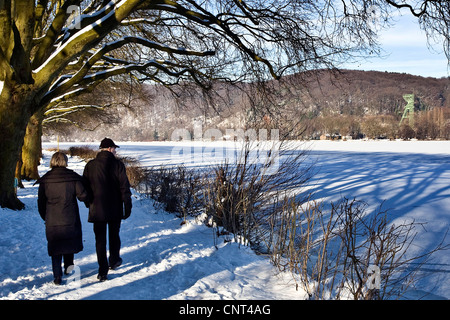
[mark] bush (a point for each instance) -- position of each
(84, 152)
(137, 175)
(345, 253)
(177, 189)
(232, 199)
(240, 195)
(406, 132)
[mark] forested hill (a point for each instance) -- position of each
(347, 102)
(362, 92)
(371, 104)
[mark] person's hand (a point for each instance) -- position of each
(127, 212)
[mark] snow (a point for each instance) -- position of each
(162, 259)
(410, 179)
(166, 260)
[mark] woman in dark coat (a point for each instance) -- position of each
(57, 204)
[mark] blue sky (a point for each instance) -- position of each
(405, 49)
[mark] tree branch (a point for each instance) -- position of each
(4, 64)
(83, 40)
(422, 11)
(46, 42)
(70, 81)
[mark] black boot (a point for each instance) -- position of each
(57, 281)
(116, 264)
(102, 277)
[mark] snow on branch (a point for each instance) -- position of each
(67, 110)
(84, 39)
(64, 97)
(65, 82)
(158, 64)
(66, 120)
(60, 114)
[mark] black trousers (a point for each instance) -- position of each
(56, 263)
(100, 230)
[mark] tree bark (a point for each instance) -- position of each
(15, 111)
(32, 147)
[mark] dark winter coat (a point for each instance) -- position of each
(57, 204)
(108, 187)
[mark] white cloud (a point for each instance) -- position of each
(405, 49)
(405, 32)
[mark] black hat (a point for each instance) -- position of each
(107, 143)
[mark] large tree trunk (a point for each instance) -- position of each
(17, 91)
(11, 140)
(15, 106)
(32, 147)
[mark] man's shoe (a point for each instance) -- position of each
(116, 264)
(57, 281)
(102, 277)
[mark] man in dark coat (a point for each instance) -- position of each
(110, 202)
(58, 191)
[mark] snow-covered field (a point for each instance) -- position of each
(166, 260)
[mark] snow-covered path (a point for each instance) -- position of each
(162, 260)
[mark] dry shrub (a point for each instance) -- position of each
(84, 152)
(176, 189)
(345, 253)
(239, 196)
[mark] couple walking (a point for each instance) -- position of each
(105, 190)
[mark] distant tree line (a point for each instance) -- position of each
(354, 104)
(428, 125)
